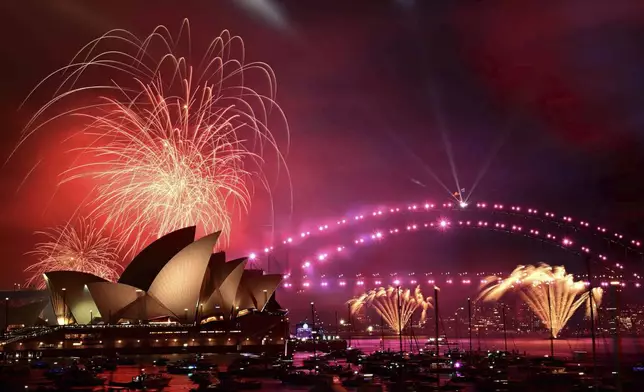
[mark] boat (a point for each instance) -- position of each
(161, 361)
(151, 381)
(359, 381)
(202, 378)
(145, 381)
(181, 367)
(211, 387)
(230, 384)
(187, 367)
(442, 341)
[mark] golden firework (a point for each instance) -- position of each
(396, 306)
(175, 142)
(551, 293)
(80, 247)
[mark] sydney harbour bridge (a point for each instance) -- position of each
(332, 258)
(607, 249)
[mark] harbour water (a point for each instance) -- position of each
(564, 348)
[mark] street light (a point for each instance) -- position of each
(341, 321)
(64, 305)
(6, 315)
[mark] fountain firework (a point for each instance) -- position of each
(386, 302)
(175, 143)
(551, 293)
(81, 247)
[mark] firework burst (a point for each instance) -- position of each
(551, 293)
(386, 300)
(81, 247)
(176, 143)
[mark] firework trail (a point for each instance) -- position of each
(176, 143)
(81, 247)
(552, 294)
(385, 301)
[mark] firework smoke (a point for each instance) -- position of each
(81, 247)
(176, 143)
(551, 293)
(385, 301)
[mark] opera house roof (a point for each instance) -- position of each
(175, 277)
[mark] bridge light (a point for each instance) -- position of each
(443, 223)
(462, 204)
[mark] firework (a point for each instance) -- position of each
(386, 302)
(176, 143)
(551, 293)
(81, 247)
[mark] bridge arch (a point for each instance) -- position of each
(609, 249)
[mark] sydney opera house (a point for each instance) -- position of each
(175, 295)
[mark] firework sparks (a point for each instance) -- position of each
(385, 301)
(175, 144)
(81, 247)
(551, 293)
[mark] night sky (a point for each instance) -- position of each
(543, 99)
